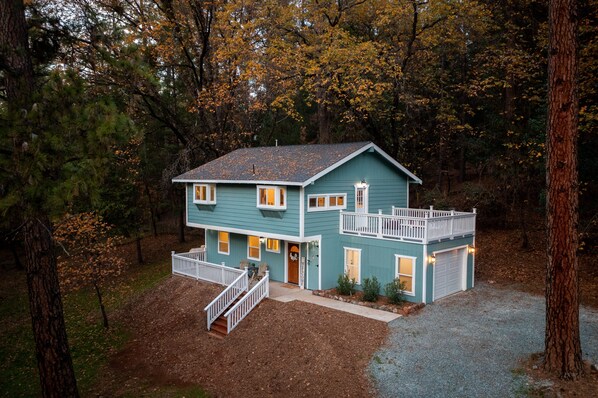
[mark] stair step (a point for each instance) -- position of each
(218, 335)
(220, 321)
(219, 329)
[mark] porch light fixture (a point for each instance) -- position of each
(470, 249)
(432, 259)
(262, 240)
(362, 183)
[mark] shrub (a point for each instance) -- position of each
(394, 291)
(371, 289)
(346, 286)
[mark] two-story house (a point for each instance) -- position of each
(313, 212)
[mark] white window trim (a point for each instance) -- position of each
(259, 247)
(358, 280)
(277, 189)
(327, 206)
(210, 200)
(219, 241)
(366, 194)
(414, 259)
(272, 251)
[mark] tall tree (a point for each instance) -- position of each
(54, 361)
(562, 352)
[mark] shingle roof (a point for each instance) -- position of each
(293, 164)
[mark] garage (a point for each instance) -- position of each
(449, 272)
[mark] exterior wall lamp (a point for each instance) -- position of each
(470, 249)
(432, 259)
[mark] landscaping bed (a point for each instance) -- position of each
(405, 308)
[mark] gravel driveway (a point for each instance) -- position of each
(468, 345)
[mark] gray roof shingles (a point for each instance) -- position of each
(292, 164)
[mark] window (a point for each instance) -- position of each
(334, 201)
(204, 194)
(269, 197)
(253, 247)
(273, 245)
(353, 264)
(223, 242)
(405, 271)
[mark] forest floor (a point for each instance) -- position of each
(158, 346)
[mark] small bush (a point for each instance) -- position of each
(346, 286)
(394, 291)
(371, 289)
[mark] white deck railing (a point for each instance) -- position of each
(244, 306)
(226, 298)
(411, 225)
(189, 264)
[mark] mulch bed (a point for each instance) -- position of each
(280, 349)
(405, 308)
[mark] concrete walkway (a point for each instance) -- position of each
(284, 292)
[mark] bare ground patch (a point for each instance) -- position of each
(291, 349)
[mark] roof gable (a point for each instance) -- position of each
(289, 165)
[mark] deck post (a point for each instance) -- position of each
(452, 223)
(380, 223)
(196, 269)
(268, 283)
(172, 259)
(340, 222)
(426, 216)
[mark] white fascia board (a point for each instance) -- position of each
(261, 234)
(260, 182)
(359, 152)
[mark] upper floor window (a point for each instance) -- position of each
(204, 194)
(333, 201)
(271, 197)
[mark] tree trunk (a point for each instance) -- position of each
(562, 352)
(139, 253)
(54, 361)
(101, 302)
(324, 136)
(14, 55)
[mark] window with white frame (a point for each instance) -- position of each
(353, 264)
(204, 194)
(253, 247)
(333, 201)
(405, 271)
(223, 242)
(273, 245)
(271, 197)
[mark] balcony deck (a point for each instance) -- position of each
(409, 225)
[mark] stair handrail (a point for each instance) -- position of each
(244, 306)
(226, 298)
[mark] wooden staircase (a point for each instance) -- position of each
(219, 326)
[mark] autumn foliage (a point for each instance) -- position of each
(90, 255)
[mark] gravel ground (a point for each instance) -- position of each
(468, 345)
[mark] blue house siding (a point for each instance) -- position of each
(378, 259)
(238, 252)
(236, 207)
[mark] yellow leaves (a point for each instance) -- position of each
(92, 249)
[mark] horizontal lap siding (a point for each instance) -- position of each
(388, 187)
(238, 252)
(378, 259)
(236, 207)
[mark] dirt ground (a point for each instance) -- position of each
(501, 261)
(290, 349)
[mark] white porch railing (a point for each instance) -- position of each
(189, 264)
(411, 225)
(244, 306)
(226, 298)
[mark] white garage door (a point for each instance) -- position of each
(448, 273)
